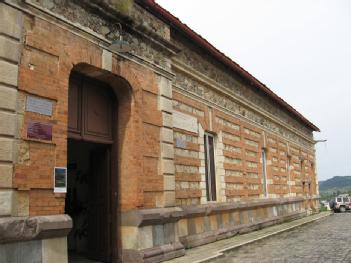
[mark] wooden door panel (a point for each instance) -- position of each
(97, 110)
(74, 105)
(90, 106)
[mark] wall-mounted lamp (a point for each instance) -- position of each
(317, 141)
(118, 44)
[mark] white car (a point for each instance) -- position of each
(341, 203)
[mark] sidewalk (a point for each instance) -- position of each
(215, 249)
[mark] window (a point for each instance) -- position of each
(264, 173)
(210, 167)
(301, 164)
(303, 187)
(288, 162)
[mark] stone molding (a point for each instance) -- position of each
(144, 217)
(218, 95)
(89, 35)
(14, 229)
(200, 64)
(37, 10)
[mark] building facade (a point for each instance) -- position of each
(125, 136)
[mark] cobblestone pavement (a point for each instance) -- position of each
(327, 240)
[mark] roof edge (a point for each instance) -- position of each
(173, 21)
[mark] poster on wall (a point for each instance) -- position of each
(60, 180)
(40, 131)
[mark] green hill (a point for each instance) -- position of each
(335, 186)
(337, 182)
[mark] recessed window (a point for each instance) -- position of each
(303, 187)
(210, 167)
(264, 172)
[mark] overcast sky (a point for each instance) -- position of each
(300, 49)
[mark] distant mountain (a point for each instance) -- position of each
(335, 183)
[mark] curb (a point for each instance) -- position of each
(221, 252)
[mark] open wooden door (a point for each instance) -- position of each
(91, 119)
(99, 238)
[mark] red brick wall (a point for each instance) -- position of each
(49, 55)
(244, 141)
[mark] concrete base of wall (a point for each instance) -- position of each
(150, 235)
(162, 234)
(53, 250)
(39, 239)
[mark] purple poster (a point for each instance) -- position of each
(39, 130)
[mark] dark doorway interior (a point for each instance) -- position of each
(88, 201)
(91, 127)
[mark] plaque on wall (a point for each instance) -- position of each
(39, 130)
(39, 105)
(60, 180)
(180, 143)
(185, 122)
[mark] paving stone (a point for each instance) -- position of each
(315, 242)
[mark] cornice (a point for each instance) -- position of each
(180, 66)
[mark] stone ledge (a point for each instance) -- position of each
(212, 236)
(162, 253)
(215, 208)
(13, 229)
(155, 254)
(153, 216)
(144, 217)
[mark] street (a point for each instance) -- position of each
(327, 240)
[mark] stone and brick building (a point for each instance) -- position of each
(167, 144)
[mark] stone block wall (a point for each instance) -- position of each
(36, 239)
(156, 235)
(38, 251)
(11, 23)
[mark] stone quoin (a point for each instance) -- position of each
(134, 151)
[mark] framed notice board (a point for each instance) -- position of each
(60, 179)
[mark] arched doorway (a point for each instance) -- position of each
(90, 196)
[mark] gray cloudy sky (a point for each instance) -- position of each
(300, 49)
